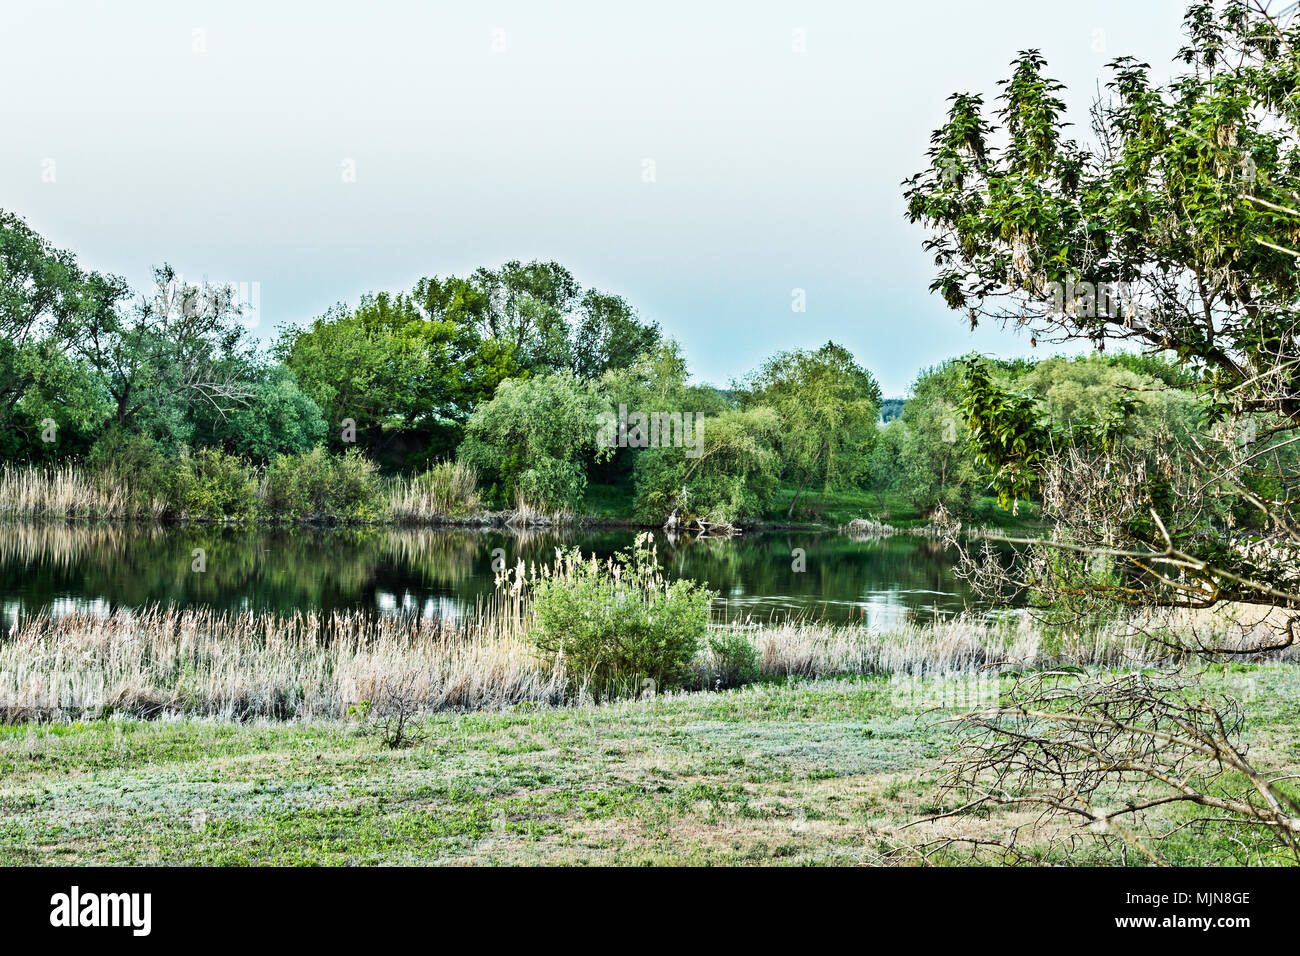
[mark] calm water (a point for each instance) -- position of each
(443, 572)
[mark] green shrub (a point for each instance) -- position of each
(618, 624)
(316, 484)
(732, 660)
(211, 485)
(135, 466)
(533, 441)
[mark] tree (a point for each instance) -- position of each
(729, 477)
(46, 301)
(410, 369)
(279, 418)
(608, 335)
(172, 351)
(933, 463)
(828, 406)
(1177, 230)
(527, 310)
(532, 442)
(407, 370)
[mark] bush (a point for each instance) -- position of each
(617, 624)
(316, 484)
(732, 660)
(134, 466)
(212, 485)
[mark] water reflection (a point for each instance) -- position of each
(59, 568)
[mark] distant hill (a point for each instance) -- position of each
(891, 408)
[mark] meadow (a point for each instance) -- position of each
(797, 771)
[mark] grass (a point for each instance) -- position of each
(787, 772)
(168, 662)
(838, 508)
(446, 489)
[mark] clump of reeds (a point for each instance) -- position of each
(528, 515)
(955, 646)
(868, 528)
(61, 493)
(448, 489)
(162, 662)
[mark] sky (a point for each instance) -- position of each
(704, 160)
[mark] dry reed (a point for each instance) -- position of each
(60, 493)
(163, 661)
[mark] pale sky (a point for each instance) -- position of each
(219, 136)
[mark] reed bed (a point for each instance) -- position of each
(166, 662)
(60, 493)
(447, 489)
(163, 662)
(960, 645)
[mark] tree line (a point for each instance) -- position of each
(508, 371)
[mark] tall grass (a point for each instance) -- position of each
(309, 486)
(60, 493)
(161, 662)
(165, 662)
(448, 489)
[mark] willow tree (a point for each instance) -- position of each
(828, 406)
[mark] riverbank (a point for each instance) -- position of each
(316, 489)
(793, 772)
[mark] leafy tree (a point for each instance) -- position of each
(527, 310)
(170, 353)
(828, 406)
(279, 418)
(932, 463)
(407, 370)
(1177, 230)
(608, 335)
(411, 369)
(532, 442)
(46, 301)
(732, 478)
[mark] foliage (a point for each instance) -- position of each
(733, 660)
(46, 304)
(617, 624)
(279, 418)
(317, 484)
(732, 478)
(532, 441)
(134, 463)
(1177, 232)
(211, 485)
(401, 368)
(828, 406)
(171, 352)
(924, 454)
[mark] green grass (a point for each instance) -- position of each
(608, 502)
(832, 509)
(802, 772)
(836, 508)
